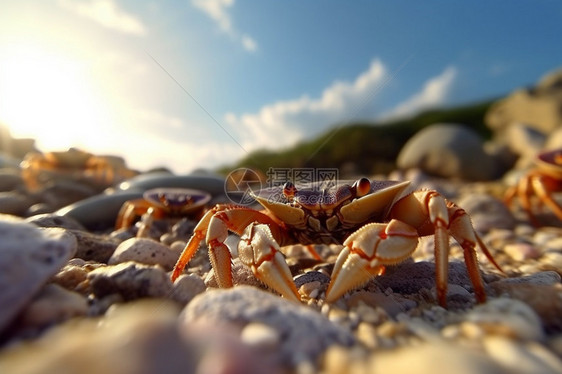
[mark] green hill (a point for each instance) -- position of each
(363, 148)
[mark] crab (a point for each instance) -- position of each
(159, 203)
(103, 171)
(540, 182)
(377, 222)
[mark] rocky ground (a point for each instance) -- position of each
(80, 297)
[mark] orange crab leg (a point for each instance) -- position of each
(214, 227)
(543, 187)
(135, 208)
(444, 219)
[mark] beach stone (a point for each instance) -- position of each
(519, 357)
(432, 358)
(95, 247)
(487, 212)
(55, 220)
(38, 208)
(524, 140)
(448, 150)
(411, 277)
(507, 317)
(186, 287)
(65, 192)
(53, 304)
(71, 276)
(131, 280)
(136, 338)
(306, 333)
(541, 278)
(311, 276)
(29, 256)
(10, 179)
(260, 335)
(13, 202)
(541, 111)
(545, 299)
(392, 304)
(145, 251)
(521, 251)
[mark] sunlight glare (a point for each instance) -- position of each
(50, 98)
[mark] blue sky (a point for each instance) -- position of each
(198, 83)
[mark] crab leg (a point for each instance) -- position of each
(365, 253)
(131, 209)
(543, 186)
(259, 250)
(214, 227)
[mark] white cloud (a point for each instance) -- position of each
(433, 93)
(217, 10)
(285, 122)
(108, 14)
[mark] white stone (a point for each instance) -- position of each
(29, 256)
(145, 251)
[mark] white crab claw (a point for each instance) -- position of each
(259, 251)
(365, 253)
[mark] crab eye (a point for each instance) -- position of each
(362, 187)
(289, 190)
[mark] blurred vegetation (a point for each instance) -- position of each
(362, 147)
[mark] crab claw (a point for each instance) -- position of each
(365, 253)
(259, 251)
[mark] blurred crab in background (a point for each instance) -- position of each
(160, 203)
(375, 223)
(538, 185)
(74, 164)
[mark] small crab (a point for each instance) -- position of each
(539, 182)
(376, 226)
(74, 164)
(159, 203)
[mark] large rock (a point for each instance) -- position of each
(540, 107)
(305, 333)
(448, 150)
(29, 256)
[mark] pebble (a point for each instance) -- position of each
(544, 299)
(136, 338)
(131, 280)
(523, 358)
(522, 251)
(261, 336)
(70, 277)
(53, 304)
(9, 179)
(487, 212)
(507, 317)
(305, 332)
(392, 304)
(429, 358)
(94, 247)
(144, 251)
(448, 150)
(29, 256)
(186, 287)
(54, 220)
(15, 203)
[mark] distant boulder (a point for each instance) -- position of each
(450, 151)
(539, 107)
